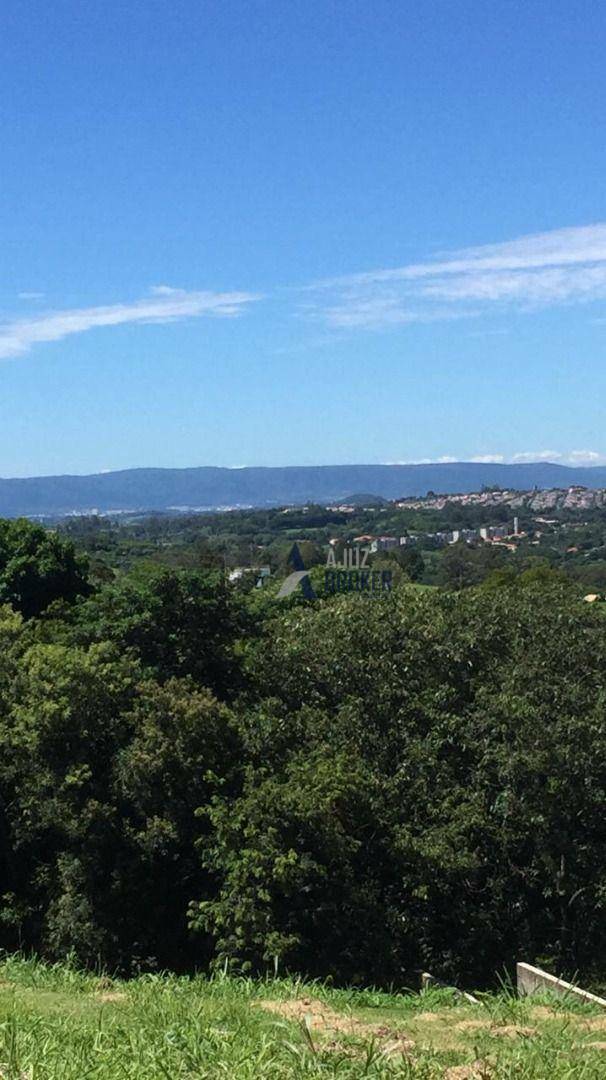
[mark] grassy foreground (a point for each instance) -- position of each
(60, 1023)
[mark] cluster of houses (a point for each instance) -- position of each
(495, 534)
(492, 534)
(575, 497)
(261, 574)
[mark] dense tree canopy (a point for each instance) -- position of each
(359, 788)
(177, 623)
(38, 567)
(467, 824)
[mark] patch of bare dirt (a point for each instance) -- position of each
(597, 1045)
(544, 1012)
(472, 1025)
(431, 1017)
(512, 1031)
(594, 1023)
(321, 1018)
(478, 1070)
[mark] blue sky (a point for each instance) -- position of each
(295, 232)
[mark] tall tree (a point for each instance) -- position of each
(38, 567)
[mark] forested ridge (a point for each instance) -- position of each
(208, 486)
(193, 774)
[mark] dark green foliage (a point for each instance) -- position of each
(38, 567)
(60, 732)
(412, 562)
(301, 856)
(102, 773)
(471, 830)
(177, 623)
(462, 565)
(361, 788)
(184, 751)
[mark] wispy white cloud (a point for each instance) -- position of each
(543, 269)
(558, 457)
(18, 336)
(530, 287)
(167, 290)
(537, 455)
(421, 461)
(586, 457)
(370, 311)
(523, 457)
(30, 296)
(583, 244)
(563, 266)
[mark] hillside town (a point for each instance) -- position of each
(572, 498)
(493, 534)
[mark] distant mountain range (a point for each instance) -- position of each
(206, 488)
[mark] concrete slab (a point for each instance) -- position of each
(533, 980)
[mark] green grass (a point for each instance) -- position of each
(58, 1022)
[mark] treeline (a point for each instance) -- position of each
(191, 775)
(573, 545)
